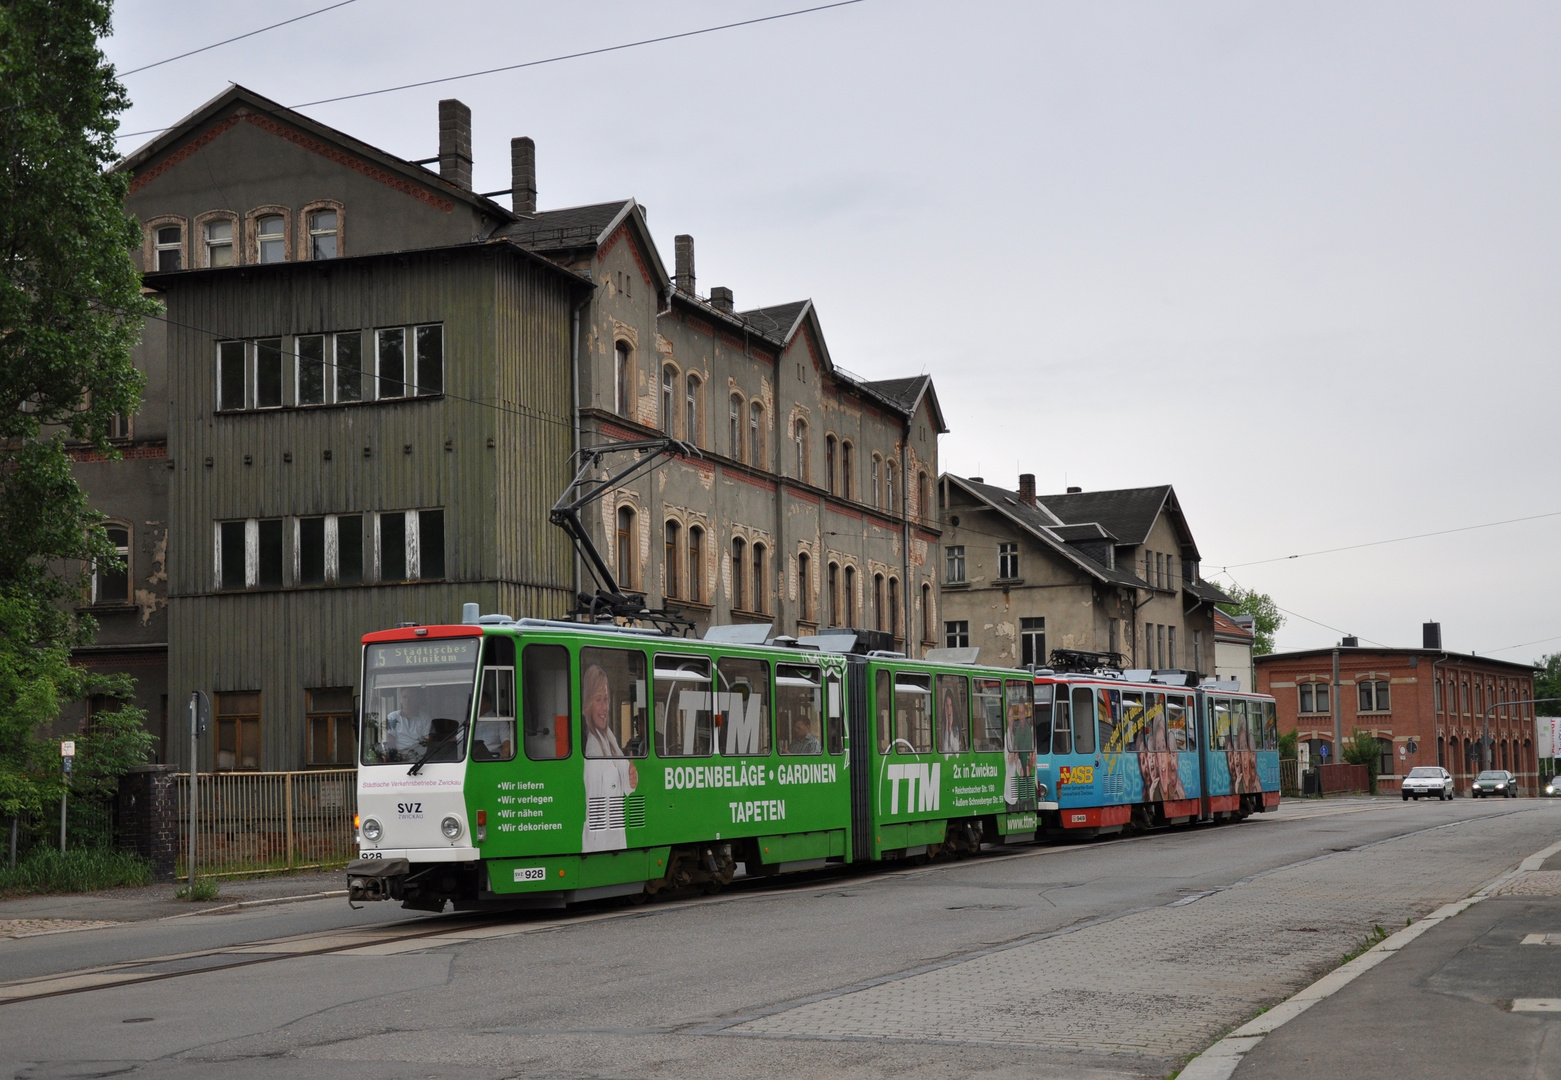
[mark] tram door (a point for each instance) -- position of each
(1019, 745)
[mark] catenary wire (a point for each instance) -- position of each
(231, 40)
(548, 60)
(1395, 540)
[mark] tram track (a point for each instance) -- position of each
(462, 928)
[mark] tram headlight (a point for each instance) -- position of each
(450, 826)
(372, 830)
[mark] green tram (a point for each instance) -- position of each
(542, 763)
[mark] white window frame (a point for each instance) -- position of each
(159, 245)
(334, 231)
(954, 561)
(263, 238)
(232, 242)
(123, 553)
(1007, 561)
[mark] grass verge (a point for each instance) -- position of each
(202, 890)
(84, 870)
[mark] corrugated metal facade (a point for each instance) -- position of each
(491, 452)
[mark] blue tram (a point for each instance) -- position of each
(1148, 748)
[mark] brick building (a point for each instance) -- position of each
(1427, 698)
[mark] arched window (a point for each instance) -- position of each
(888, 486)
(625, 548)
(271, 235)
(834, 594)
(168, 247)
(623, 381)
(894, 607)
(804, 588)
(923, 496)
(829, 463)
(877, 482)
(878, 602)
(756, 435)
(926, 613)
(111, 584)
(848, 615)
(696, 564)
(669, 382)
(218, 237)
(738, 567)
(799, 432)
(671, 553)
(324, 234)
(691, 410)
(760, 581)
(735, 427)
(845, 470)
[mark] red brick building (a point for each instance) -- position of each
(1428, 699)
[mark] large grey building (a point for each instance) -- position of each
(373, 379)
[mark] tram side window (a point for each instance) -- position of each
(834, 701)
(1219, 723)
(545, 686)
(1021, 721)
(612, 703)
(1176, 723)
(1156, 737)
(1270, 726)
(1043, 715)
(1134, 721)
(953, 693)
(743, 698)
(799, 709)
(685, 718)
(988, 717)
(1108, 714)
(1062, 726)
(912, 712)
(1254, 725)
(883, 697)
(1239, 738)
(1083, 721)
(495, 736)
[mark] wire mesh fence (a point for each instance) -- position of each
(261, 821)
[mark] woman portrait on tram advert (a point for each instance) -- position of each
(609, 774)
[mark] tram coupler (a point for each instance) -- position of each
(376, 879)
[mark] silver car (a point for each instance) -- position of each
(1497, 782)
(1427, 780)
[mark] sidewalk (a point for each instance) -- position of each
(1478, 995)
(28, 915)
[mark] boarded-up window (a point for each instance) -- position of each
(238, 731)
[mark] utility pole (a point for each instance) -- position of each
(1338, 718)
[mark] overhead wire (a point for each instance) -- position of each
(546, 60)
(231, 40)
(1395, 540)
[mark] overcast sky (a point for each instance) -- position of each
(1298, 260)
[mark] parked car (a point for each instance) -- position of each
(1552, 786)
(1427, 780)
(1494, 782)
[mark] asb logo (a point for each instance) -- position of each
(921, 786)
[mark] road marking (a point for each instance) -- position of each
(1220, 1061)
(1542, 939)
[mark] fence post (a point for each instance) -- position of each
(287, 793)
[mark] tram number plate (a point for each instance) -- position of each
(371, 854)
(531, 873)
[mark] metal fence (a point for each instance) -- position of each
(1289, 778)
(259, 821)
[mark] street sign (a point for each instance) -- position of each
(1323, 750)
(68, 748)
(1413, 745)
(200, 713)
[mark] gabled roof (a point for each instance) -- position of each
(588, 227)
(779, 321)
(1041, 524)
(1208, 593)
(239, 101)
(1224, 624)
(1127, 513)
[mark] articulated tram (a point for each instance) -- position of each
(542, 763)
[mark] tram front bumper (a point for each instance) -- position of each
(376, 879)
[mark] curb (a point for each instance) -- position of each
(1219, 1061)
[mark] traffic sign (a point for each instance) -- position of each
(1323, 749)
(68, 748)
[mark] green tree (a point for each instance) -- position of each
(1547, 684)
(71, 310)
(1265, 614)
(1365, 749)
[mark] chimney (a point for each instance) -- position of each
(455, 143)
(684, 256)
(1075, 490)
(721, 298)
(1431, 635)
(1350, 642)
(523, 175)
(977, 480)
(1027, 488)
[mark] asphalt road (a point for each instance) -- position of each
(1111, 958)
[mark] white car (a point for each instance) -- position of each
(1427, 780)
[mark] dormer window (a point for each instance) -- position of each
(322, 234)
(271, 233)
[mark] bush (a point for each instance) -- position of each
(1364, 749)
(49, 871)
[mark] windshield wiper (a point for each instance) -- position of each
(433, 749)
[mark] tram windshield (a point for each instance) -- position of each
(417, 698)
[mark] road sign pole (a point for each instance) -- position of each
(194, 773)
(67, 755)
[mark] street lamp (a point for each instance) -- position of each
(1485, 724)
